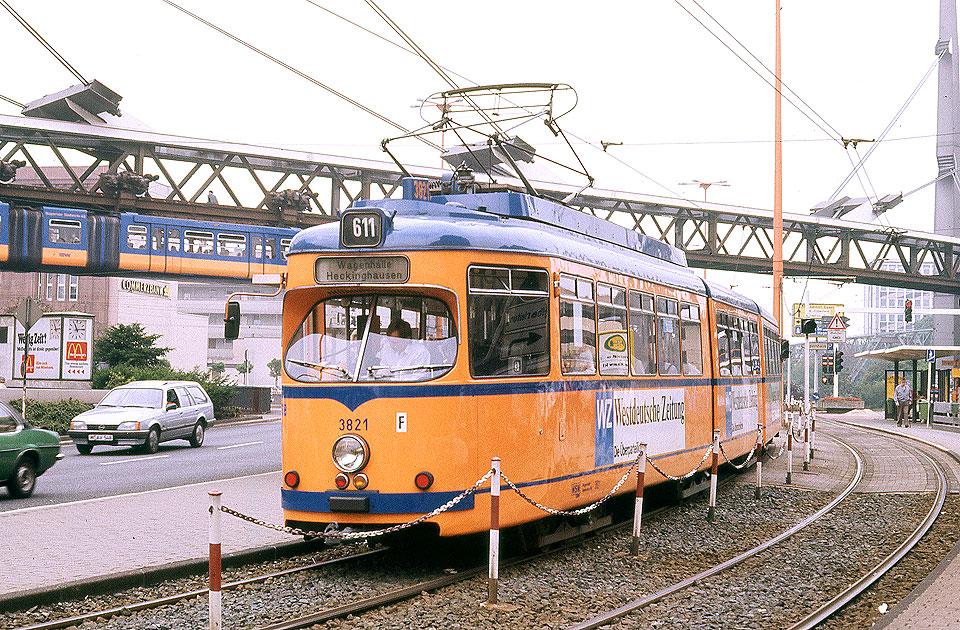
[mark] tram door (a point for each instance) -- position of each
(173, 257)
(158, 248)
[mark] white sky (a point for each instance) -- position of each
(646, 73)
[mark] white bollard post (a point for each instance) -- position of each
(806, 443)
(494, 562)
(215, 567)
(713, 476)
(638, 504)
(756, 491)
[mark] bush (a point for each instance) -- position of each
(220, 390)
(55, 416)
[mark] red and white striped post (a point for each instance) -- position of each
(494, 568)
(216, 611)
(806, 443)
(790, 449)
(756, 491)
(713, 475)
(813, 434)
(638, 503)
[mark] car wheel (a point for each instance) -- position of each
(196, 439)
(23, 481)
(152, 445)
(84, 449)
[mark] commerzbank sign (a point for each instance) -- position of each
(145, 288)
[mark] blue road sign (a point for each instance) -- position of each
(931, 356)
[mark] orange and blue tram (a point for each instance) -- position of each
(424, 336)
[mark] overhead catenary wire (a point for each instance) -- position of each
(11, 101)
(296, 71)
(829, 133)
(36, 34)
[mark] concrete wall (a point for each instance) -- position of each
(91, 396)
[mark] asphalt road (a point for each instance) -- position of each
(230, 450)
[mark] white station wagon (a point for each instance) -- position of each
(145, 413)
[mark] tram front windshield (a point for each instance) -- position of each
(373, 338)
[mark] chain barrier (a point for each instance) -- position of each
(366, 534)
(747, 461)
(582, 510)
(689, 474)
(766, 452)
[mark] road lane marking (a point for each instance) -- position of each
(128, 461)
(223, 448)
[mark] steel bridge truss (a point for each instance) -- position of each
(78, 165)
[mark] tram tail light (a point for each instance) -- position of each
(292, 478)
(341, 481)
(360, 481)
(423, 480)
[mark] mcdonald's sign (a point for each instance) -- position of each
(76, 351)
(31, 364)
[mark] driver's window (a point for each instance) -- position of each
(172, 398)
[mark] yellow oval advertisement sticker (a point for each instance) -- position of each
(615, 343)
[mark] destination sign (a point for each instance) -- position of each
(362, 270)
(361, 228)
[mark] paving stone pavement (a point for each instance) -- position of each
(57, 544)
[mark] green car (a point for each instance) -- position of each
(25, 452)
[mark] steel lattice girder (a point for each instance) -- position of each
(68, 159)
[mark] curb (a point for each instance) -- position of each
(148, 576)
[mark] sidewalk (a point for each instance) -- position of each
(54, 547)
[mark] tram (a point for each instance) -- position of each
(425, 335)
(73, 240)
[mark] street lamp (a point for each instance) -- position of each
(704, 185)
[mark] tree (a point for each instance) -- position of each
(275, 367)
(217, 367)
(128, 345)
(245, 368)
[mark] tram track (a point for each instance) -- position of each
(843, 597)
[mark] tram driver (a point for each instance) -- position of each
(400, 350)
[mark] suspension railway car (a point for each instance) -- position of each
(424, 336)
(72, 240)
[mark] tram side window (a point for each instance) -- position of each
(258, 248)
(270, 248)
(643, 351)
(691, 348)
(612, 330)
(668, 336)
(284, 246)
(136, 237)
(61, 231)
(723, 344)
(754, 339)
(231, 245)
(173, 240)
(508, 321)
(736, 350)
(578, 326)
(197, 242)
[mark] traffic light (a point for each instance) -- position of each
(908, 311)
(808, 326)
(784, 350)
(838, 363)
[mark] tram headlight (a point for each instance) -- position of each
(350, 453)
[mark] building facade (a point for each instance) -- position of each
(188, 316)
(891, 322)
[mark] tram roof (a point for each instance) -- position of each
(513, 222)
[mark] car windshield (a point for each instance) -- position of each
(131, 397)
(373, 338)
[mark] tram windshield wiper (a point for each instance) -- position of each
(336, 369)
(376, 371)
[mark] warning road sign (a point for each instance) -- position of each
(836, 324)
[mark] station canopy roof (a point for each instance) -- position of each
(907, 353)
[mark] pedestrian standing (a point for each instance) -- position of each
(902, 396)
